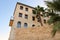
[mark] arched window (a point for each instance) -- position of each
(25, 25)
(18, 24)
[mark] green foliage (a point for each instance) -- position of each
(51, 14)
(55, 4)
(55, 20)
(34, 11)
(50, 21)
(56, 28)
(37, 11)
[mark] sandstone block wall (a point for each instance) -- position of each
(36, 33)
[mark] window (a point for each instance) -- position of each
(20, 14)
(44, 21)
(26, 16)
(21, 7)
(26, 9)
(33, 25)
(33, 18)
(19, 24)
(25, 25)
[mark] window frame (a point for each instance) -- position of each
(33, 25)
(21, 7)
(20, 14)
(25, 25)
(44, 20)
(26, 9)
(33, 18)
(26, 16)
(18, 24)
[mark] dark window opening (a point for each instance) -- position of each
(33, 25)
(20, 14)
(26, 16)
(33, 18)
(25, 25)
(26, 9)
(44, 21)
(19, 24)
(21, 7)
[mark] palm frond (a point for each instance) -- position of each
(55, 18)
(54, 5)
(34, 11)
(56, 28)
(37, 11)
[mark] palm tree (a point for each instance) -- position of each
(54, 4)
(37, 11)
(55, 18)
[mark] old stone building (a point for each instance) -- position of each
(23, 18)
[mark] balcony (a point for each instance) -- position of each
(11, 22)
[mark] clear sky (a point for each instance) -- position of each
(6, 11)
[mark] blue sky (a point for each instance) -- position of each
(6, 11)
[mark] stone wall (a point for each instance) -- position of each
(36, 33)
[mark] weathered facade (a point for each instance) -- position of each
(23, 18)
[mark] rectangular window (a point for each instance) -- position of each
(26, 16)
(26, 9)
(44, 20)
(20, 14)
(21, 7)
(33, 18)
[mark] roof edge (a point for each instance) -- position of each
(25, 5)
